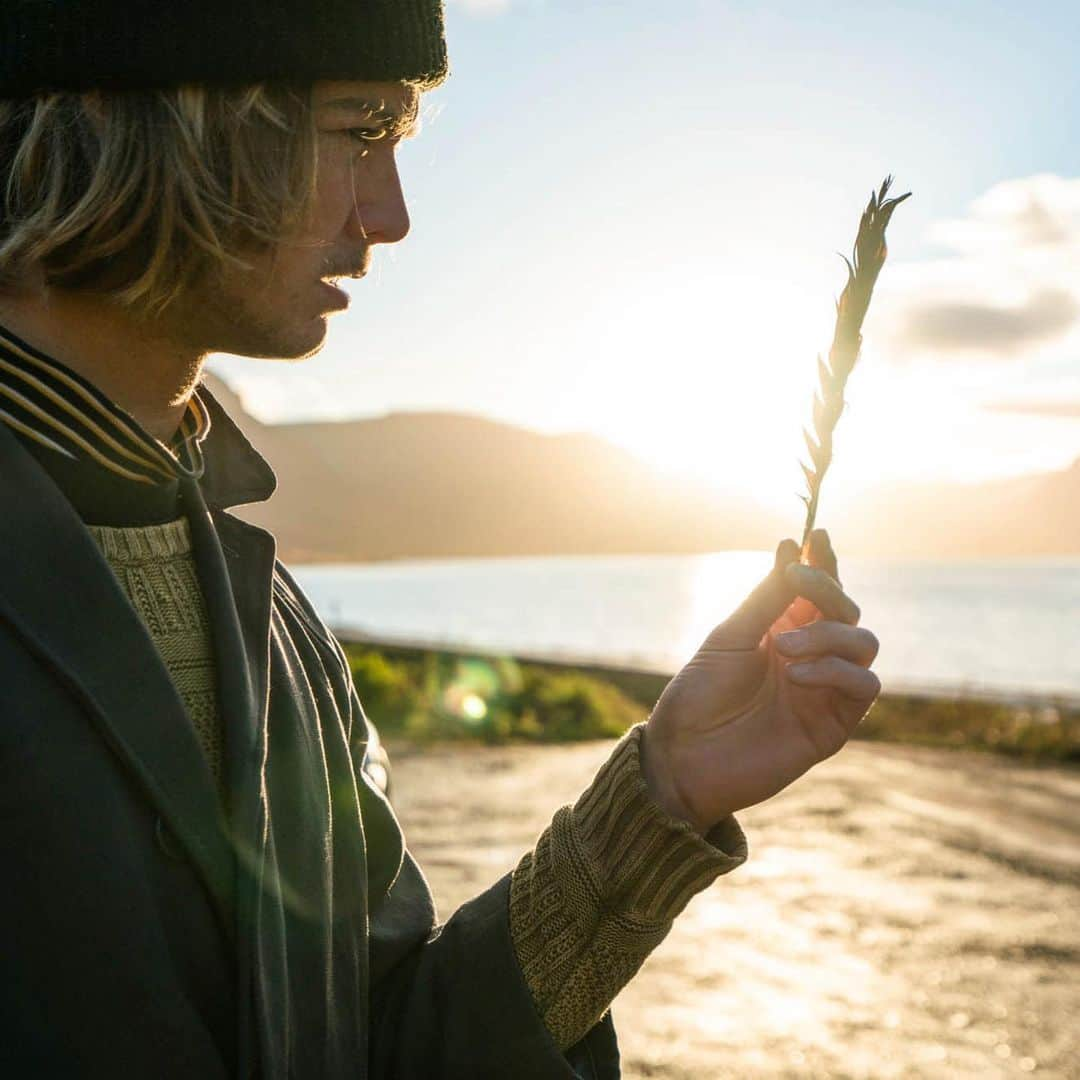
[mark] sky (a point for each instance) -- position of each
(626, 220)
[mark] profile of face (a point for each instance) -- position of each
(279, 309)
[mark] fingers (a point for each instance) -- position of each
(832, 673)
(751, 622)
(824, 592)
(830, 639)
(822, 556)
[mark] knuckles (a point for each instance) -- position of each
(840, 638)
(869, 693)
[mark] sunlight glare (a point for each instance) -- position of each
(721, 582)
(703, 379)
(473, 707)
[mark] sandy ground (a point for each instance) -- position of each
(904, 913)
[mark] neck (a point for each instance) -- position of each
(137, 365)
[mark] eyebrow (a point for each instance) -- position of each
(397, 125)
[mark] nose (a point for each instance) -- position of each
(380, 214)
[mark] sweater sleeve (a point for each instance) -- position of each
(601, 889)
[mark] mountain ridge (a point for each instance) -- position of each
(449, 485)
(415, 485)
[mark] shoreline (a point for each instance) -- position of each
(1016, 697)
(430, 692)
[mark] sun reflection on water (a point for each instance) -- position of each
(719, 583)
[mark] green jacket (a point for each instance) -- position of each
(150, 930)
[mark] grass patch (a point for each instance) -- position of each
(1046, 731)
(442, 696)
(435, 696)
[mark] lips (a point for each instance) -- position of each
(336, 297)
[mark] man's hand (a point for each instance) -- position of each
(775, 689)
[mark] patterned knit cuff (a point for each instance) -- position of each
(644, 862)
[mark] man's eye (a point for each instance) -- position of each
(366, 135)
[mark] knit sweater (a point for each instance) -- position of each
(602, 885)
(155, 568)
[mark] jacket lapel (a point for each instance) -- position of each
(236, 566)
(236, 573)
(59, 593)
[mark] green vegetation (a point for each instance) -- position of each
(1048, 731)
(444, 696)
(429, 696)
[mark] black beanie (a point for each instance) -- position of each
(143, 44)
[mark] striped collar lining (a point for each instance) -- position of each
(45, 401)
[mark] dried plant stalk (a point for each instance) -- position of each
(863, 268)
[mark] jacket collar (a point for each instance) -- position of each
(60, 596)
(235, 472)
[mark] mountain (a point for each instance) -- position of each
(446, 485)
(1021, 516)
(442, 485)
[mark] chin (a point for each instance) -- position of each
(295, 342)
(307, 341)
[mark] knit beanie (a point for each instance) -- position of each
(144, 44)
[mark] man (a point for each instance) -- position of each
(202, 880)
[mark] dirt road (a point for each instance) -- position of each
(904, 913)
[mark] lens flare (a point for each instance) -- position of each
(473, 707)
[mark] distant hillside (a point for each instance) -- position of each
(436, 485)
(1028, 515)
(443, 485)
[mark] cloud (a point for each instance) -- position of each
(482, 7)
(1040, 212)
(1069, 410)
(1010, 286)
(995, 330)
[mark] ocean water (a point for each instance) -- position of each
(975, 628)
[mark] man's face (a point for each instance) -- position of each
(280, 309)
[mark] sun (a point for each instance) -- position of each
(723, 403)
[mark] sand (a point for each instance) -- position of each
(904, 913)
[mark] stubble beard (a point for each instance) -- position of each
(266, 323)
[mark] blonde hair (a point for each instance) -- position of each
(140, 194)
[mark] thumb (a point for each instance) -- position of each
(749, 624)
